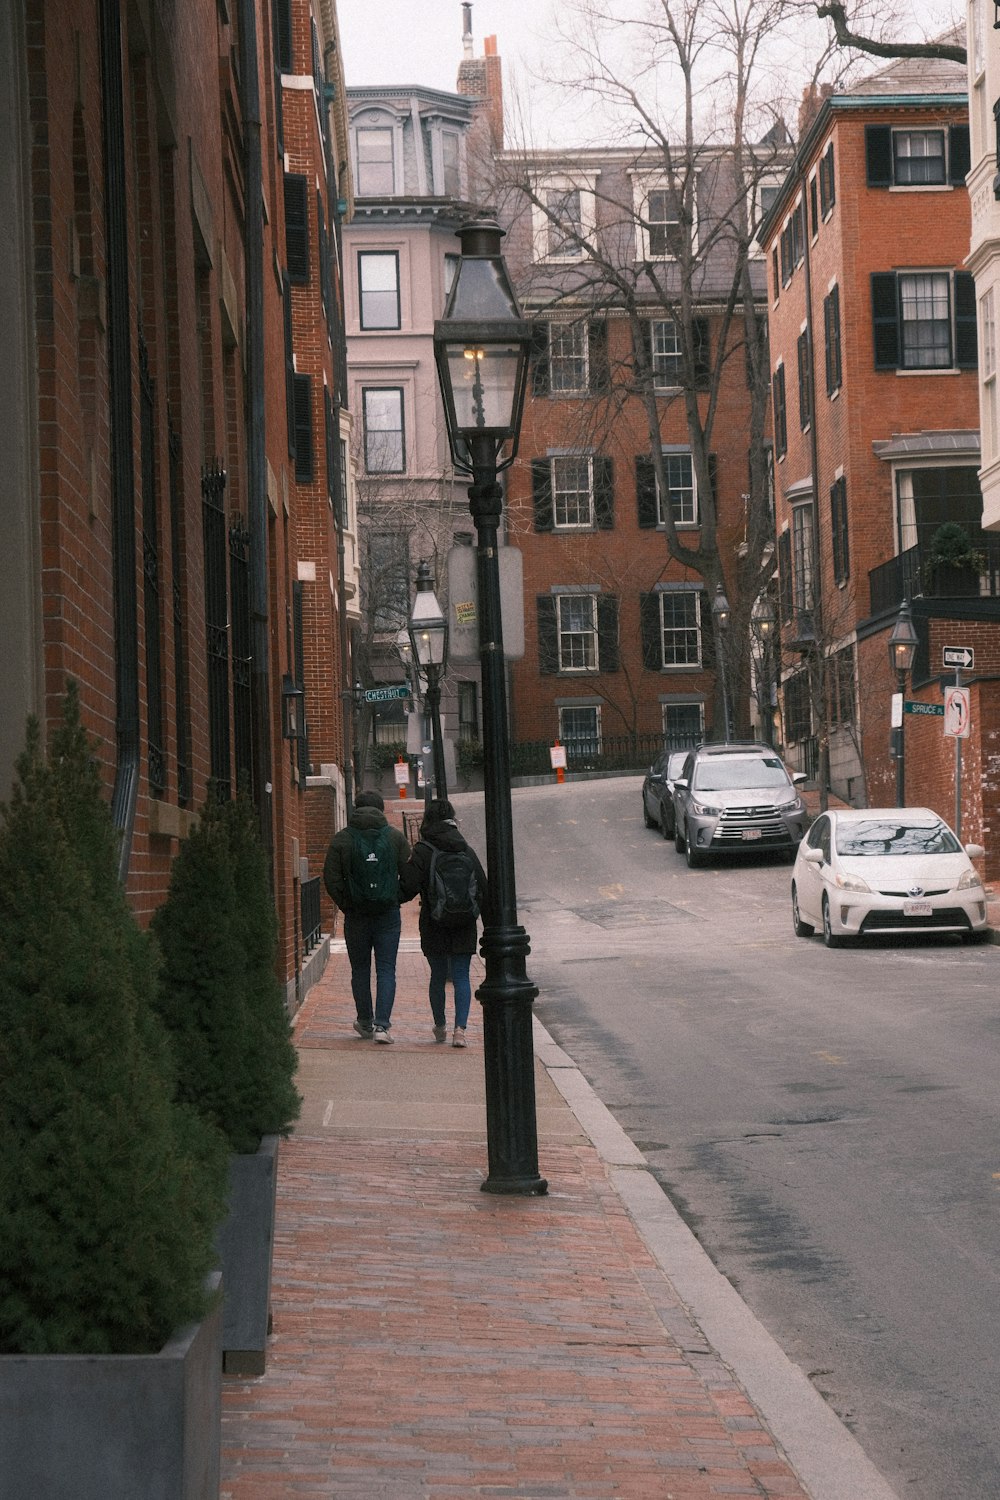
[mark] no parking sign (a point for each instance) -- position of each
(956, 713)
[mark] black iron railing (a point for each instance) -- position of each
(309, 892)
(625, 752)
(909, 574)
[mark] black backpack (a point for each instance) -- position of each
(452, 888)
(373, 875)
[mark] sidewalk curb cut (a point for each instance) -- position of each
(828, 1460)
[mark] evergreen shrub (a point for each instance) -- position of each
(110, 1192)
(220, 995)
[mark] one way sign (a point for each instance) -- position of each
(959, 656)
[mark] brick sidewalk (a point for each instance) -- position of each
(434, 1341)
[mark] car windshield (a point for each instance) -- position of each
(731, 772)
(875, 837)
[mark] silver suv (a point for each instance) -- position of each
(736, 799)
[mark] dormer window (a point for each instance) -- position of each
(375, 166)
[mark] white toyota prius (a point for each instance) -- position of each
(862, 872)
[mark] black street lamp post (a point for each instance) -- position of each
(481, 346)
(903, 642)
(763, 623)
(720, 613)
(429, 640)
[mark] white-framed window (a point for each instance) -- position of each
(988, 358)
(387, 579)
(918, 157)
(576, 632)
(572, 491)
(764, 195)
(378, 289)
(925, 320)
(666, 352)
(375, 160)
(569, 346)
(563, 215)
(384, 432)
(451, 164)
(657, 207)
(682, 491)
(802, 557)
(680, 627)
(580, 729)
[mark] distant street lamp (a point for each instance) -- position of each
(481, 346)
(763, 621)
(721, 614)
(428, 634)
(903, 642)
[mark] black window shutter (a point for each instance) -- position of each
(604, 492)
(301, 744)
(328, 442)
(966, 344)
(831, 180)
(785, 595)
(303, 428)
(838, 527)
(885, 320)
(702, 347)
(780, 415)
(541, 488)
(540, 359)
(607, 632)
(283, 33)
(600, 368)
(878, 155)
(959, 154)
(642, 344)
(707, 630)
(548, 644)
(645, 492)
(296, 227)
(713, 481)
(805, 381)
(828, 340)
(286, 294)
(652, 635)
(814, 205)
(774, 272)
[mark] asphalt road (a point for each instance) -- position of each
(826, 1121)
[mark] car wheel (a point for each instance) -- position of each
(694, 859)
(981, 935)
(802, 929)
(667, 831)
(649, 822)
(678, 839)
(830, 938)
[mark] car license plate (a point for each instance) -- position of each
(751, 833)
(917, 908)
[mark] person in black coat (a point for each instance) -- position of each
(447, 948)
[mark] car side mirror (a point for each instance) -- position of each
(975, 851)
(655, 775)
(682, 781)
(798, 777)
(813, 856)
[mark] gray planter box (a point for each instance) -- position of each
(245, 1243)
(115, 1426)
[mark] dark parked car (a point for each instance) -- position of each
(658, 791)
(736, 799)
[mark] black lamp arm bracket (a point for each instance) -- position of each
(486, 500)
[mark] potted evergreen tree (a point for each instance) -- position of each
(952, 564)
(110, 1190)
(224, 1008)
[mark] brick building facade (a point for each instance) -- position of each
(146, 486)
(873, 360)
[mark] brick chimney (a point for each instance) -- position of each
(812, 102)
(482, 78)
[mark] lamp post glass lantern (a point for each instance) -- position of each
(481, 347)
(720, 613)
(903, 642)
(428, 633)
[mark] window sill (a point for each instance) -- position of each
(922, 187)
(931, 370)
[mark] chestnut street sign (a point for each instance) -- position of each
(384, 694)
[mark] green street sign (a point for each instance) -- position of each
(930, 710)
(385, 694)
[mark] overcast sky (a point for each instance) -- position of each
(420, 42)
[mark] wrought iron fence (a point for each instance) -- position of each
(624, 752)
(309, 892)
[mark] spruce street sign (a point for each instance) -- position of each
(933, 710)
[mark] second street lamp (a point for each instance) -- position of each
(481, 346)
(720, 613)
(762, 619)
(903, 642)
(429, 639)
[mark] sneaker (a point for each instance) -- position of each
(382, 1035)
(440, 1033)
(366, 1031)
(458, 1037)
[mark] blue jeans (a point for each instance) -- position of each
(363, 936)
(456, 968)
